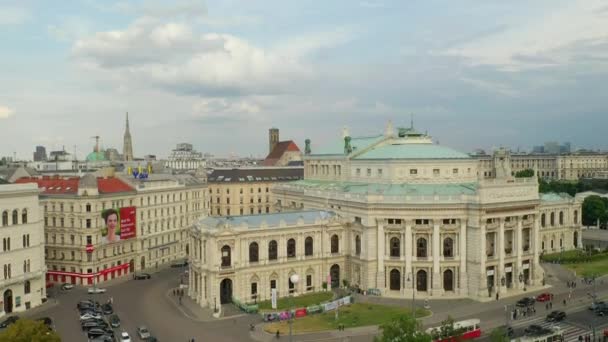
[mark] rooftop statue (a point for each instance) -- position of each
(307, 148)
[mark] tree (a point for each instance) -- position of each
(594, 208)
(25, 330)
(524, 173)
(402, 329)
(447, 330)
(499, 335)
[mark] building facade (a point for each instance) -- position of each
(411, 215)
(76, 252)
(246, 191)
(22, 255)
(184, 157)
(281, 153)
(40, 153)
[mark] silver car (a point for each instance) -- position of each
(143, 332)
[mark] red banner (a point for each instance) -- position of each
(90, 248)
(301, 312)
(127, 223)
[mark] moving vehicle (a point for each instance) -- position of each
(544, 297)
(9, 321)
(469, 328)
(67, 286)
(552, 334)
(143, 332)
(95, 290)
(525, 302)
(141, 276)
(594, 305)
(180, 264)
(533, 329)
(124, 337)
(114, 321)
(556, 316)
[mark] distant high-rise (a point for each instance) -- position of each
(551, 147)
(127, 148)
(40, 153)
(538, 149)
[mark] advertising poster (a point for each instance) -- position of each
(273, 298)
(119, 224)
(300, 312)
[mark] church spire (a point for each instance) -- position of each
(127, 148)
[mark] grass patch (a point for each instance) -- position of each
(588, 269)
(298, 302)
(354, 315)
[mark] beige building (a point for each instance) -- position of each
(246, 191)
(22, 255)
(75, 252)
(393, 212)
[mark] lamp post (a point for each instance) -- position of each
(410, 277)
(294, 278)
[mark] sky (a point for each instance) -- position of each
(219, 74)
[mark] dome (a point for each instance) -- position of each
(96, 156)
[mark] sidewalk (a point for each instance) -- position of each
(331, 335)
(190, 309)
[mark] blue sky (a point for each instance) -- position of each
(218, 74)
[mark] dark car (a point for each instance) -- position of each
(595, 305)
(114, 321)
(96, 332)
(533, 329)
(180, 264)
(87, 304)
(152, 339)
(556, 316)
(601, 310)
(107, 309)
(102, 338)
(141, 276)
(91, 325)
(525, 302)
(9, 321)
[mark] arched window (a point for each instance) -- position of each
(291, 248)
(421, 248)
(552, 220)
(5, 218)
(226, 261)
(561, 218)
(272, 250)
(335, 244)
(254, 255)
(357, 245)
(395, 280)
(308, 246)
(448, 280)
(395, 250)
(24, 216)
(27, 287)
(551, 243)
(542, 220)
(575, 238)
(576, 216)
(542, 245)
(15, 216)
(448, 247)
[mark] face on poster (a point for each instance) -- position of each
(119, 224)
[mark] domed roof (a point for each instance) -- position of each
(412, 151)
(96, 156)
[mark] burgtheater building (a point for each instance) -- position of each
(394, 212)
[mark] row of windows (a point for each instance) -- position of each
(242, 211)
(6, 242)
(241, 200)
(217, 190)
(14, 217)
(543, 219)
(325, 170)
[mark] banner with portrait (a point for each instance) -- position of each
(118, 224)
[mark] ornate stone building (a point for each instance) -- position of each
(22, 284)
(184, 157)
(404, 213)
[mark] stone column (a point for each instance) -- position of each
(380, 247)
(462, 254)
(501, 257)
(409, 252)
(520, 250)
(437, 289)
(536, 272)
(483, 282)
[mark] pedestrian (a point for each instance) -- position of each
(278, 334)
(564, 302)
(173, 292)
(496, 295)
(547, 307)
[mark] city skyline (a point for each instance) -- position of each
(219, 75)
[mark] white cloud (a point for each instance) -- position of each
(6, 112)
(227, 109)
(13, 15)
(539, 42)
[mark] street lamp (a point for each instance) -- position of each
(410, 277)
(294, 278)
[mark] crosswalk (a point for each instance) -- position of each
(571, 332)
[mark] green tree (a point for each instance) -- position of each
(402, 329)
(594, 208)
(499, 335)
(524, 173)
(447, 330)
(25, 330)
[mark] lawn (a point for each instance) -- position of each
(298, 302)
(588, 269)
(355, 315)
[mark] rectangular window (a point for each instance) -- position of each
(88, 208)
(369, 172)
(273, 284)
(380, 173)
(358, 172)
(89, 240)
(435, 172)
(254, 289)
(413, 171)
(88, 223)
(455, 171)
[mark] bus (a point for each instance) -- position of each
(467, 330)
(552, 334)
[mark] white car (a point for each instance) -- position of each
(89, 316)
(94, 290)
(124, 337)
(67, 286)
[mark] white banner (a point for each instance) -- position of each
(490, 272)
(508, 269)
(334, 305)
(526, 266)
(273, 298)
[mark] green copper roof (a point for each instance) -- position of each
(555, 197)
(337, 147)
(388, 189)
(413, 151)
(270, 220)
(96, 156)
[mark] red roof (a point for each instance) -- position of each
(53, 185)
(279, 149)
(69, 185)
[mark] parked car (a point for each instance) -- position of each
(103, 338)
(143, 332)
(556, 316)
(601, 310)
(180, 264)
(544, 297)
(107, 309)
(114, 321)
(141, 276)
(95, 290)
(152, 339)
(91, 325)
(524, 302)
(87, 303)
(96, 332)
(90, 316)
(595, 305)
(533, 329)
(67, 286)
(124, 337)
(9, 321)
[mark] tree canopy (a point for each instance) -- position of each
(524, 173)
(499, 335)
(594, 209)
(25, 330)
(402, 329)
